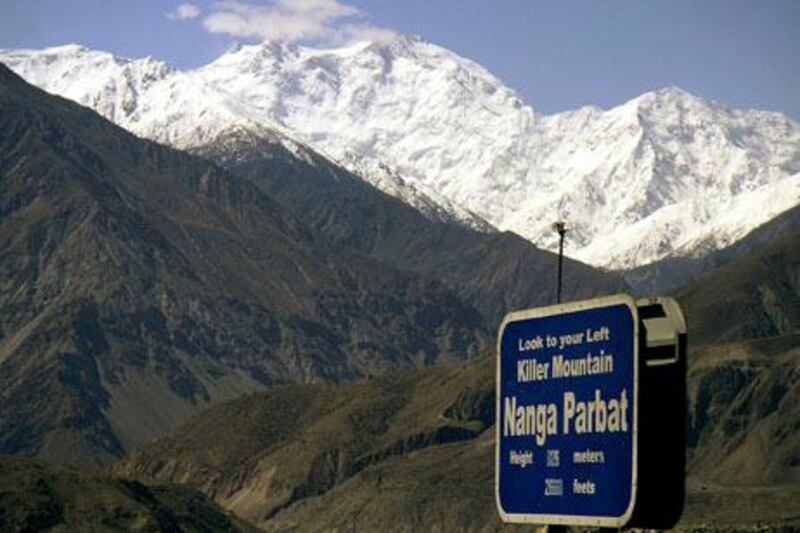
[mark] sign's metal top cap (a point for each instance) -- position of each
(567, 307)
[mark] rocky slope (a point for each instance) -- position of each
(666, 174)
(755, 297)
(417, 451)
(744, 416)
(298, 445)
(38, 497)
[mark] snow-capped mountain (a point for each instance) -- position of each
(666, 173)
(152, 100)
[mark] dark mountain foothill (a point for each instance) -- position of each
(297, 449)
(417, 450)
(35, 496)
(757, 296)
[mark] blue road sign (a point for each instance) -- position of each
(567, 391)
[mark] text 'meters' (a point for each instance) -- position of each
(567, 400)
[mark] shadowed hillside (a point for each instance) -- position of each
(744, 403)
(756, 297)
(417, 451)
(265, 453)
(37, 497)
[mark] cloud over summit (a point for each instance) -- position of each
(186, 11)
(292, 20)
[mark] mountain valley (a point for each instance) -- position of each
(264, 293)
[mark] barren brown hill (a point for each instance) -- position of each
(35, 496)
(263, 454)
(416, 451)
(744, 401)
(755, 297)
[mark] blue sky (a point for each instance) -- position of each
(558, 55)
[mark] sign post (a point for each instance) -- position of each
(569, 395)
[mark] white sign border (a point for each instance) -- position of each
(559, 519)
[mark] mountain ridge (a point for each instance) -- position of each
(670, 274)
(441, 132)
(493, 272)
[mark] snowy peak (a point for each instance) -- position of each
(669, 97)
(248, 91)
(107, 83)
(673, 111)
(665, 173)
(145, 96)
(407, 104)
(274, 74)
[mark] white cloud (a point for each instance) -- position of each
(185, 11)
(292, 20)
(368, 33)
